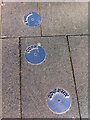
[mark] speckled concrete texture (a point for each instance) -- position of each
(64, 35)
(0, 19)
(13, 19)
(64, 18)
(10, 79)
(0, 78)
(38, 81)
(79, 51)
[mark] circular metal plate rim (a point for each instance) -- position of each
(32, 26)
(61, 112)
(32, 63)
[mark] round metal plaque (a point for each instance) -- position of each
(32, 19)
(59, 101)
(35, 54)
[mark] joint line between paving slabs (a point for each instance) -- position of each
(39, 11)
(20, 78)
(73, 75)
(6, 37)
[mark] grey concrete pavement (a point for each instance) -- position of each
(13, 19)
(64, 18)
(0, 79)
(0, 19)
(10, 79)
(79, 51)
(37, 81)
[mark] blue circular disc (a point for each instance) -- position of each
(35, 54)
(32, 19)
(59, 101)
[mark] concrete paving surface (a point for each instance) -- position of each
(37, 81)
(64, 18)
(79, 50)
(10, 79)
(0, 19)
(64, 36)
(0, 78)
(13, 20)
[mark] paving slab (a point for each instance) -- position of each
(10, 79)
(79, 51)
(39, 80)
(0, 79)
(13, 19)
(0, 19)
(64, 18)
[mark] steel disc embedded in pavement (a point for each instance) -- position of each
(32, 19)
(59, 101)
(35, 54)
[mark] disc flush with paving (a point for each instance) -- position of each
(32, 19)
(59, 101)
(35, 54)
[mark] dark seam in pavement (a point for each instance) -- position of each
(5, 37)
(73, 73)
(39, 11)
(78, 35)
(20, 77)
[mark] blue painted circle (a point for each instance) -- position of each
(35, 54)
(32, 19)
(59, 101)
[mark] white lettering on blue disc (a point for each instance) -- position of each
(59, 101)
(32, 19)
(35, 54)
